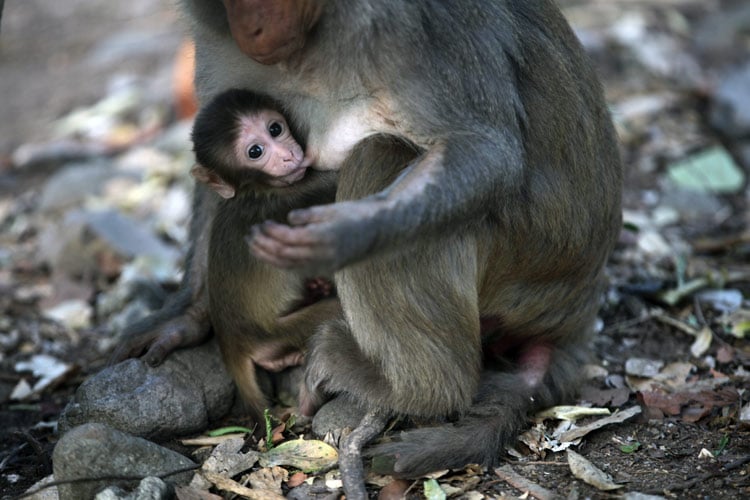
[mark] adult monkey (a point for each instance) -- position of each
(501, 225)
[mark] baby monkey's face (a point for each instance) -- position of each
(266, 144)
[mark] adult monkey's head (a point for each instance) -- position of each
(269, 31)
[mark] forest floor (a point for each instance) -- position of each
(91, 84)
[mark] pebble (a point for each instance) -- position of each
(150, 488)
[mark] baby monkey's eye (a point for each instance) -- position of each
(275, 129)
(255, 151)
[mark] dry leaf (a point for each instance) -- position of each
(589, 473)
(296, 479)
(395, 490)
(227, 459)
(21, 391)
(50, 370)
(189, 493)
(507, 474)
(745, 413)
(702, 342)
(725, 354)
(571, 412)
(701, 402)
(618, 417)
(268, 479)
(208, 440)
(227, 484)
(277, 434)
(676, 374)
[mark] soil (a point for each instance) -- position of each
(56, 57)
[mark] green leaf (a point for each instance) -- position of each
(630, 448)
(269, 429)
(723, 442)
(307, 455)
(229, 430)
(740, 329)
(433, 491)
(712, 170)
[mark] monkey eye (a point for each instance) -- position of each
(255, 151)
(275, 129)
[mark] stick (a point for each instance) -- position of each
(350, 454)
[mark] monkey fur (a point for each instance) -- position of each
(261, 315)
(478, 201)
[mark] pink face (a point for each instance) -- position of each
(266, 144)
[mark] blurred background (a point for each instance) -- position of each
(95, 110)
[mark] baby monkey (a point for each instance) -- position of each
(261, 315)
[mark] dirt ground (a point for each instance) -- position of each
(56, 57)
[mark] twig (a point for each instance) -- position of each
(38, 449)
(350, 454)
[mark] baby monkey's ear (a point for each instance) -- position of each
(213, 180)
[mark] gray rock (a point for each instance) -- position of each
(225, 459)
(730, 109)
(150, 488)
(95, 450)
(189, 390)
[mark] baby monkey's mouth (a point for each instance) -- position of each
(295, 175)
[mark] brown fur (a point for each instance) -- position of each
(261, 315)
(258, 311)
(493, 198)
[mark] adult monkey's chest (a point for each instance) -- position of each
(334, 122)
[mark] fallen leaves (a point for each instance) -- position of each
(538, 439)
(48, 370)
(308, 455)
(227, 461)
(589, 473)
(579, 432)
(507, 474)
(690, 406)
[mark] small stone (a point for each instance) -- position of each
(640, 367)
(150, 488)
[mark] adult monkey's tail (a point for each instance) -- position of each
(498, 414)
